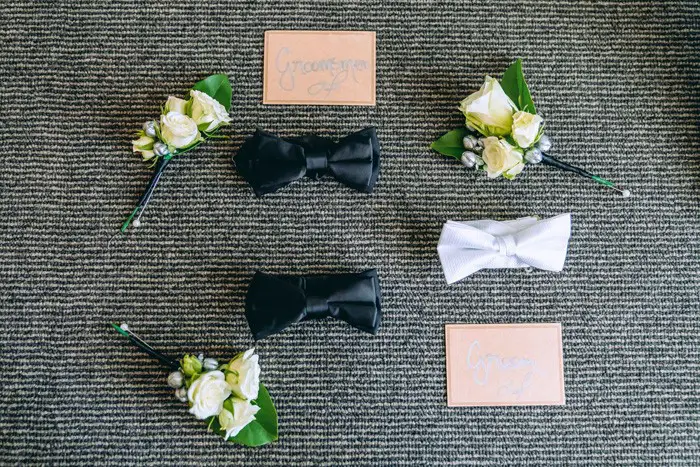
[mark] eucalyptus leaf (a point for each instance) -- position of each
(218, 87)
(515, 87)
(450, 144)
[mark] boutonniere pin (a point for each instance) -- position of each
(503, 131)
(228, 396)
(182, 127)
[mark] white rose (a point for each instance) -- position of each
(207, 394)
(501, 158)
(526, 127)
(243, 413)
(489, 110)
(178, 130)
(207, 112)
(243, 375)
(175, 104)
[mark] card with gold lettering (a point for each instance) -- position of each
(320, 68)
(504, 364)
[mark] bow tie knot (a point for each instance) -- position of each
(269, 162)
(466, 247)
(316, 163)
(506, 245)
(316, 307)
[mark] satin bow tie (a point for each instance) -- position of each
(269, 162)
(466, 247)
(274, 302)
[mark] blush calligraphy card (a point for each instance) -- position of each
(320, 68)
(504, 364)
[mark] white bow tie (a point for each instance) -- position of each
(466, 247)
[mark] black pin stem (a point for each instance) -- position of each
(549, 160)
(141, 344)
(146, 196)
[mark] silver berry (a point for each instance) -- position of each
(176, 379)
(469, 159)
(533, 156)
(161, 149)
(149, 128)
(210, 364)
(470, 142)
(181, 394)
(544, 144)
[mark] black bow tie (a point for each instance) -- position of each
(274, 302)
(269, 162)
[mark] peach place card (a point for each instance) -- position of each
(320, 68)
(504, 364)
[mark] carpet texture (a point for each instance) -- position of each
(618, 83)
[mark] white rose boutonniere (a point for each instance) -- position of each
(502, 124)
(179, 130)
(243, 375)
(246, 417)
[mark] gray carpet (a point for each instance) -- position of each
(618, 83)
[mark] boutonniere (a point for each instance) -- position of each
(182, 127)
(503, 131)
(228, 396)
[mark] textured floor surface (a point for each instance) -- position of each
(618, 83)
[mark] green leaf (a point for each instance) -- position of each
(218, 87)
(515, 87)
(450, 144)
